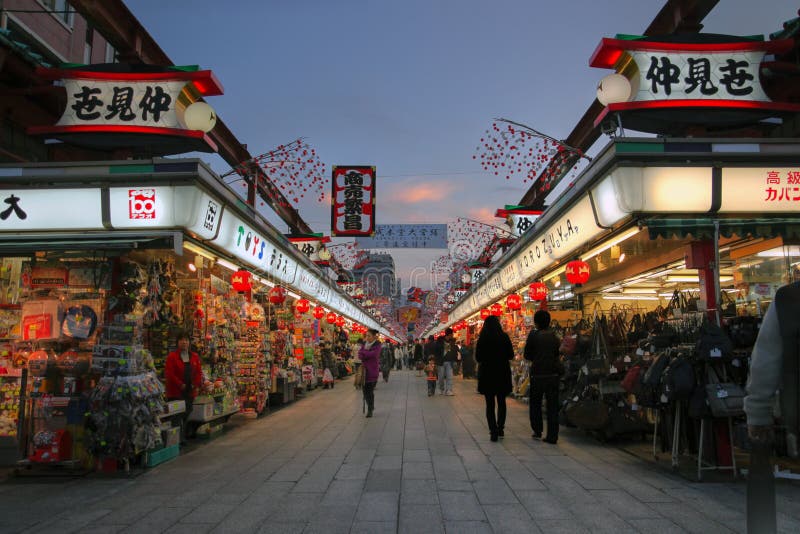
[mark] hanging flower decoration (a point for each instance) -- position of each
(537, 291)
(348, 255)
(510, 149)
(577, 272)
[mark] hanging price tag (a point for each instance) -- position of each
(664, 399)
(640, 352)
(627, 359)
(736, 362)
(585, 370)
(635, 407)
(721, 393)
(612, 370)
(620, 404)
(575, 398)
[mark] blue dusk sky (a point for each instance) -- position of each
(410, 85)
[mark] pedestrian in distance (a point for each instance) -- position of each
(494, 352)
(450, 359)
(431, 377)
(387, 360)
(541, 349)
(370, 355)
(774, 372)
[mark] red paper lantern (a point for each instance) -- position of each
(577, 272)
(331, 317)
(302, 306)
(277, 295)
(319, 312)
(340, 321)
(496, 309)
(537, 291)
(241, 282)
(514, 301)
(485, 313)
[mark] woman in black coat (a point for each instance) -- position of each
(493, 352)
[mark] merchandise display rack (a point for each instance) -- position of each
(252, 371)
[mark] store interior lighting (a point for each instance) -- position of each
(192, 267)
(610, 243)
(695, 279)
(197, 250)
(779, 252)
(293, 295)
(631, 297)
(228, 265)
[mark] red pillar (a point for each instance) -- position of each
(700, 255)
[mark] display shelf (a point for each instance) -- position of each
(213, 417)
(252, 371)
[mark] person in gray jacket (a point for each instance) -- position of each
(774, 368)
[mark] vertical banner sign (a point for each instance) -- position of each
(353, 201)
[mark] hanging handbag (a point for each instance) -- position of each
(725, 399)
(597, 363)
(588, 414)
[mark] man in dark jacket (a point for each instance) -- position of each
(541, 348)
(449, 360)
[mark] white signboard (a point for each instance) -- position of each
(558, 240)
(253, 248)
(760, 189)
(702, 75)
(53, 209)
(121, 102)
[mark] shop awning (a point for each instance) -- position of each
(23, 244)
(704, 228)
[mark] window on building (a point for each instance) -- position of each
(60, 9)
(87, 48)
(111, 54)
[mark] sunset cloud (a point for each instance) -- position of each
(429, 192)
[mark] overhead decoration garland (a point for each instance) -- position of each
(510, 149)
(348, 255)
(467, 239)
(295, 168)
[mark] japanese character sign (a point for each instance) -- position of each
(702, 75)
(121, 103)
(406, 236)
(760, 190)
(310, 245)
(353, 201)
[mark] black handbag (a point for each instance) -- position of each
(725, 399)
(588, 414)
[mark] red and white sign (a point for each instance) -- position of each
(142, 203)
(127, 102)
(353, 201)
(691, 75)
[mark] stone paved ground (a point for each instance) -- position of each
(420, 465)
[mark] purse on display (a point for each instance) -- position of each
(725, 399)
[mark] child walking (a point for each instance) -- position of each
(432, 376)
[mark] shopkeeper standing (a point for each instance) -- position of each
(183, 375)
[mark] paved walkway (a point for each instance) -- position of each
(420, 465)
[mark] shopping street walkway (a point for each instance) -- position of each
(420, 465)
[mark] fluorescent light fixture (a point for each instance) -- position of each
(293, 294)
(780, 252)
(228, 265)
(192, 267)
(197, 250)
(630, 297)
(638, 291)
(610, 243)
(696, 279)
(612, 288)
(622, 257)
(555, 273)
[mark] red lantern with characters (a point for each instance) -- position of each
(577, 272)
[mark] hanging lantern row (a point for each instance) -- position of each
(302, 306)
(496, 309)
(577, 272)
(514, 302)
(277, 295)
(241, 282)
(319, 312)
(537, 291)
(485, 312)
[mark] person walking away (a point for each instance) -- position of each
(467, 362)
(494, 352)
(541, 349)
(328, 365)
(774, 368)
(432, 376)
(370, 355)
(419, 359)
(387, 360)
(183, 376)
(450, 360)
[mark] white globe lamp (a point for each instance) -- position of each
(613, 89)
(200, 116)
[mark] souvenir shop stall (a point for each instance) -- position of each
(91, 305)
(657, 266)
